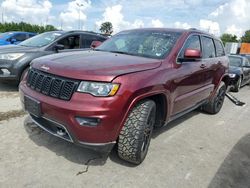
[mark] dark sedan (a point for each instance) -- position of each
(239, 71)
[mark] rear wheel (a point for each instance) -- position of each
(135, 136)
(214, 106)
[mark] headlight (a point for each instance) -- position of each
(232, 75)
(98, 88)
(11, 56)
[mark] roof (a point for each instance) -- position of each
(191, 30)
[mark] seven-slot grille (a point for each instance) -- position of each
(51, 85)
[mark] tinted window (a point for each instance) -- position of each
(20, 37)
(70, 42)
(88, 39)
(192, 42)
(219, 48)
(144, 43)
(208, 47)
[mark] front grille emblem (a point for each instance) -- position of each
(44, 67)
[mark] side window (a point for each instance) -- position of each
(208, 47)
(88, 39)
(70, 42)
(101, 39)
(192, 42)
(219, 48)
(19, 37)
(246, 62)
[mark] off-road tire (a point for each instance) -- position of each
(214, 105)
(135, 136)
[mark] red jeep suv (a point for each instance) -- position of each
(117, 93)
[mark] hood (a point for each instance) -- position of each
(16, 49)
(93, 65)
(2, 42)
(235, 70)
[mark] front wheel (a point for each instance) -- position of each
(135, 136)
(214, 106)
(237, 86)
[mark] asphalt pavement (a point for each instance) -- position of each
(197, 150)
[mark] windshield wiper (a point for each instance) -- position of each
(120, 52)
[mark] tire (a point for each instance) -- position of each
(237, 86)
(135, 136)
(214, 106)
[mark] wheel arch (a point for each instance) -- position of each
(161, 98)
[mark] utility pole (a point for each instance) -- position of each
(79, 6)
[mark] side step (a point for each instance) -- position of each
(235, 100)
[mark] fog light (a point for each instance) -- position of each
(88, 121)
(5, 71)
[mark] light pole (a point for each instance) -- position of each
(79, 5)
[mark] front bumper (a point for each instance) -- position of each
(7, 72)
(61, 131)
(59, 116)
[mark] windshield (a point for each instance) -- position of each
(41, 40)
(152, 44)
(235, 61)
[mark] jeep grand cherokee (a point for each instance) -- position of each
(135, 81)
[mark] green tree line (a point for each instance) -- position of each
(233, 38)
(22, 26)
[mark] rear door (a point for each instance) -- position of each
(190, 84)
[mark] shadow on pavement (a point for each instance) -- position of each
(81, 155)
(71, 152)
(235, 170)
(174, 123)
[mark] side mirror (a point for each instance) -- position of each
(95, 44)
(192, 54)
(59, 47)
(12, 40)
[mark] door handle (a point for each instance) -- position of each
(203, 66)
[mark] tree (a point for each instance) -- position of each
(22, 26)
(246, 37)
(106, 28)
(228, 38)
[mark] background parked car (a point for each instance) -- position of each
(14, 37)
(15, 60)
(239, 71)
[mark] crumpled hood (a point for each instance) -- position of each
(16, 49)
(93, 65)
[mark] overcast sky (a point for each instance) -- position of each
(215, 16)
